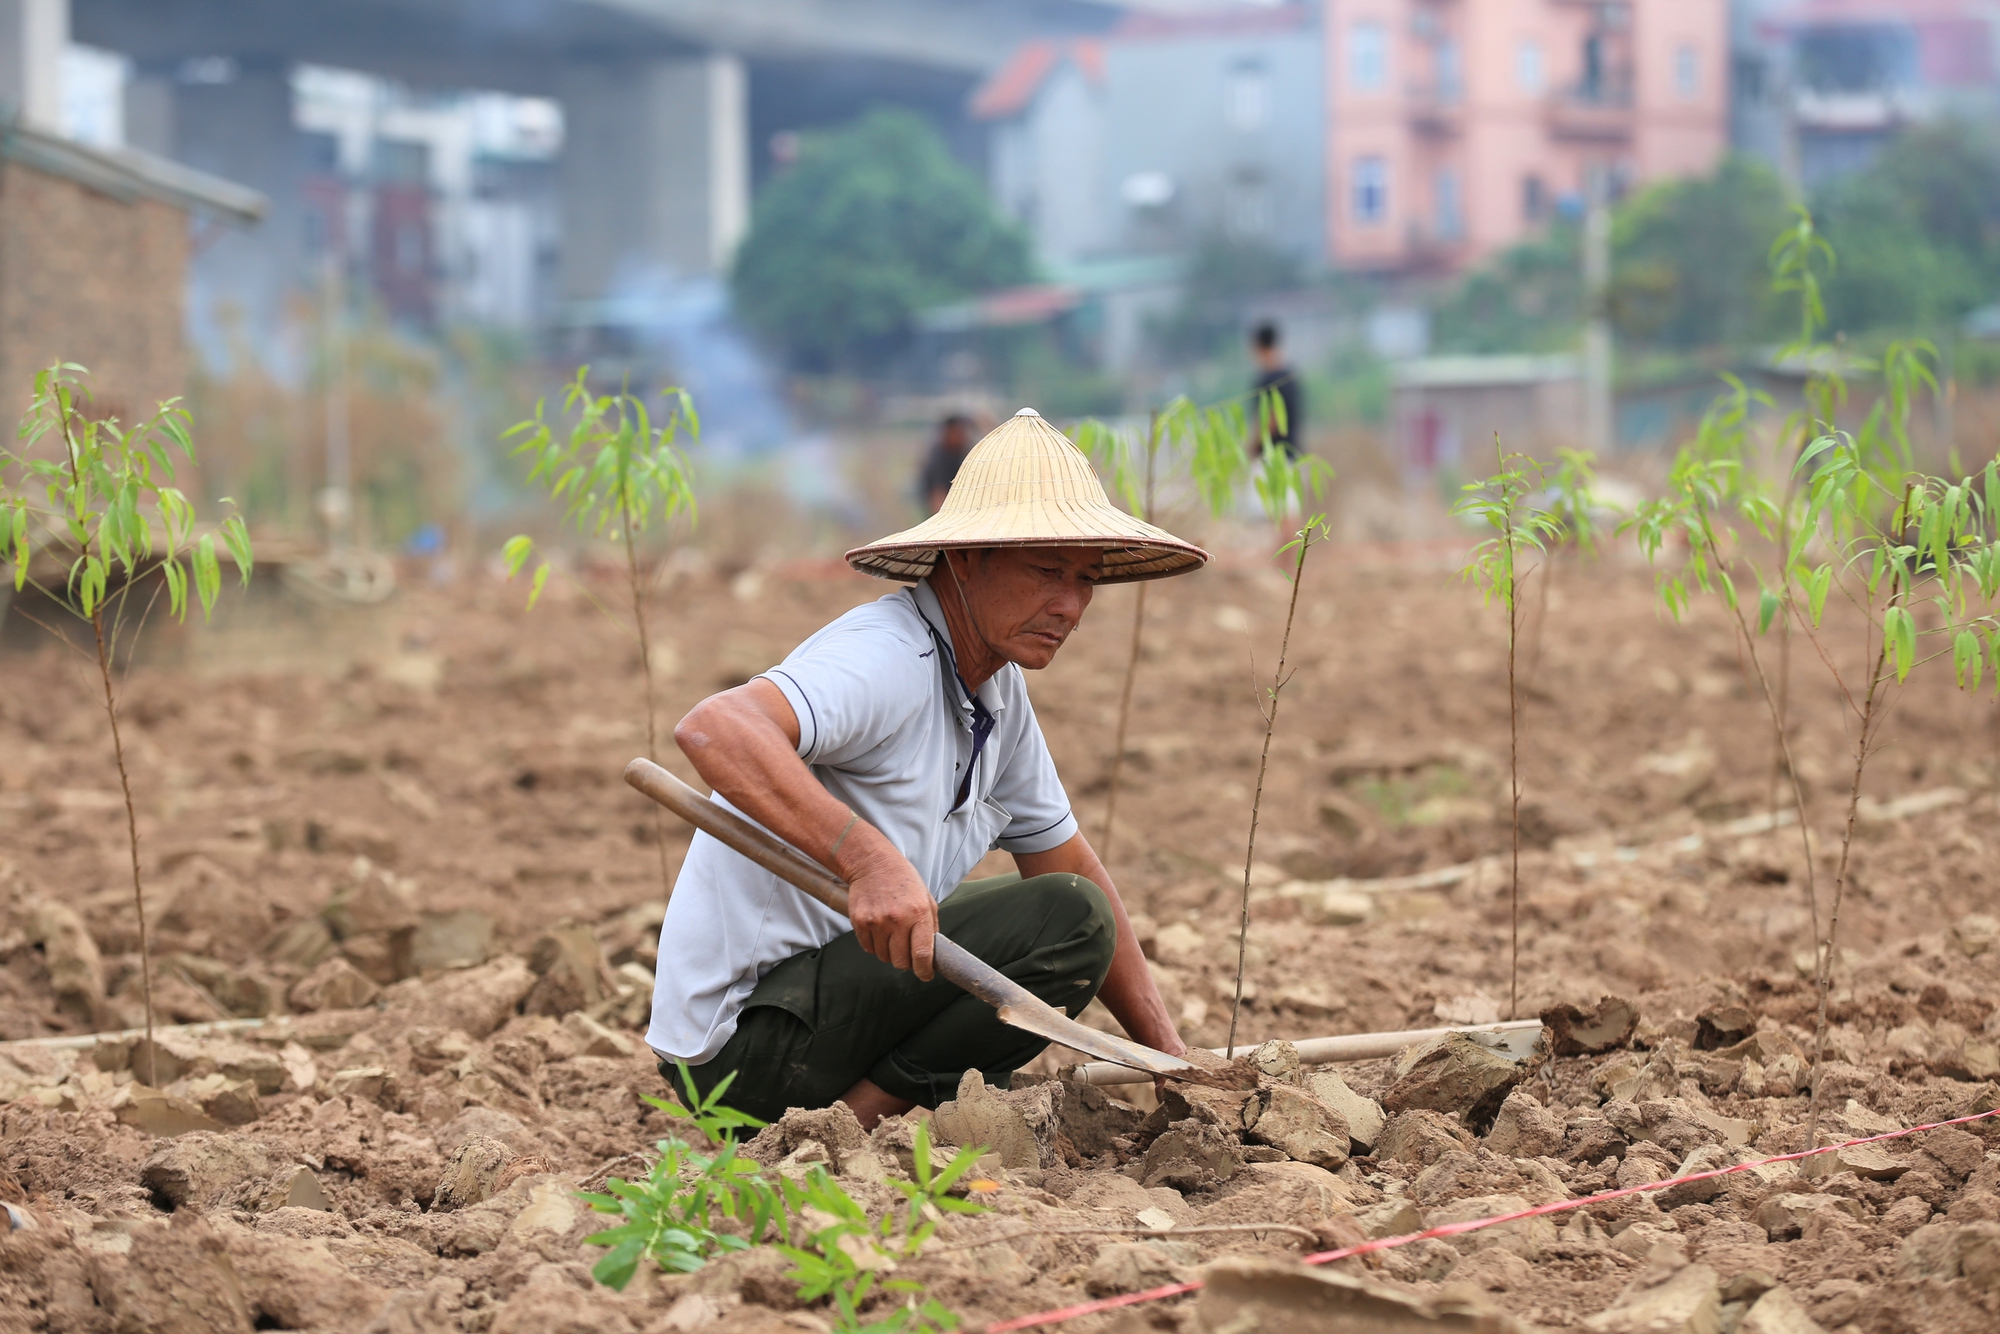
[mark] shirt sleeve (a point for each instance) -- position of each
(1032, 794)
(851, 688)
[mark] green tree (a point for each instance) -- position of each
(1918, 232)
(1528, 298)
(1689, 267)
(872, 224)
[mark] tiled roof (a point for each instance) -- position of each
(1017, 82)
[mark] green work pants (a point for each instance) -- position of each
(820, 1022)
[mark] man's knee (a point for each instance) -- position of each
(1079, 905)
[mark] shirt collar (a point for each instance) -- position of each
(926, 599)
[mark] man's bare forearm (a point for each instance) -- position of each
(738, 742)
(744, 742)
(1129, 991)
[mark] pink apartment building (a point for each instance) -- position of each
(1460, 126)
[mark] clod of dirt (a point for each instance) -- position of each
(596, 1039)
(1777, 1312)
(292, 1283)
(1453, 1073)
(1687, 1300)
(334, 985)
(76, 972)
(1723, 1025)
(1191, 1156)
(175, 1279)
(1293, 1121)
(178, 1056)
(1671, 1123)
(1954, 1250)
(460, 939)
(233, 1102)
(1023, 1126)
(1093, 1119)
(572, 972)
(1363, 1115)
(1281, 1297)
(245, 993)
(1276, 1060)
(1528, 1238)
(834, 1128)
(301, 1190)
(1707, 1158)
(1287, 1192)
(1786, 1216)
(373, 919)
(204, 1169)
(1133, 1266)
(1420, 1138)
(299, 944)
(1588, 1031)
(1524, 1128)
(476, 1001)
(158, 1113)
(1976, 933)
(471, 1174)
(370, 1083)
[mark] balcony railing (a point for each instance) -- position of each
(1436, 108)
(1604, 112)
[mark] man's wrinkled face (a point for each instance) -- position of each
(1025, 601)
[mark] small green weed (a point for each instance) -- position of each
(669, 1215)
(672, 1216)
(848, 1253)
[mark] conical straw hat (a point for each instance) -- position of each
(1026, 485)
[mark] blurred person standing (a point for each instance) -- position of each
(954, 441)
(1274, 374)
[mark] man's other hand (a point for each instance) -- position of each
(894, 915)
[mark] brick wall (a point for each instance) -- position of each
(88, 278)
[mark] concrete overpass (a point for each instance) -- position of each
(663, 100)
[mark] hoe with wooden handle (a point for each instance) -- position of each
(1017, 1006)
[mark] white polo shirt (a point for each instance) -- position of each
(886, 725)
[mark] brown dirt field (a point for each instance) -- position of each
(437, 807)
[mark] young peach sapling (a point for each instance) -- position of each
(613, 472)
(106, 494)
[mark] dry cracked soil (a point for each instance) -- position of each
(415, 864)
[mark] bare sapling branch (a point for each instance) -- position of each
(1502, 503)
(1281, 480)
(108, 502)
(613, 473)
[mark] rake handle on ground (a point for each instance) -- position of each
(953, 962)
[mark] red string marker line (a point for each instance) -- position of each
(1474, 1225)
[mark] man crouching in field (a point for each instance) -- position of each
(897, 747)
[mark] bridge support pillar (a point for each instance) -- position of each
(655, 172)
(33, 35)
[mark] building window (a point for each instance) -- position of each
(1247, 97)
(1528, 68)
(1450, 72)
(1687, 70)
(1371, 189)
(1249, 210)
(1450, 206)
(1534, 198)
(1368, 57)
